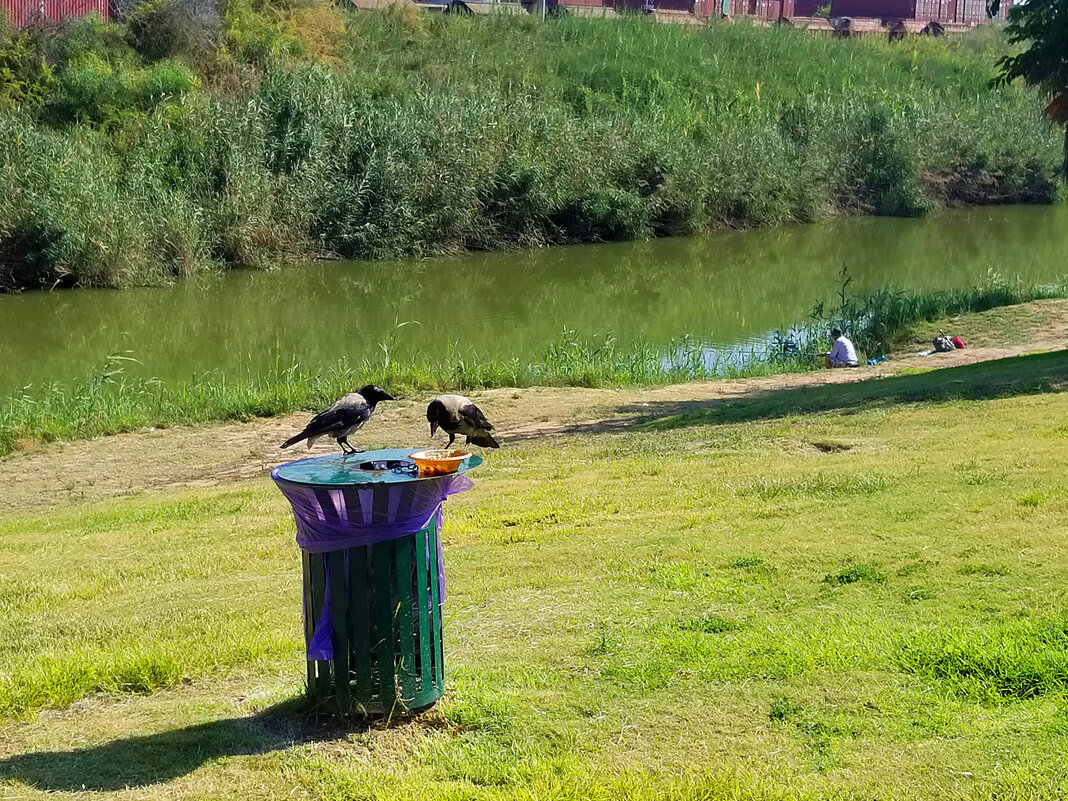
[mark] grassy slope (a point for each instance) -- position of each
(402, 132)
(866, 600)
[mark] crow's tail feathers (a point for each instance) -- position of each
(484, 440)
(294, 440)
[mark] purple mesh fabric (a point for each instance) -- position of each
(338, 518)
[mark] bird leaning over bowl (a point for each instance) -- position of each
(348, 414)
(455, 414)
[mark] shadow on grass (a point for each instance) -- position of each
(1019, 375)
(155, 758)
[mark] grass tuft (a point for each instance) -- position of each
(996, 662)
(855, 573)
(711, 624)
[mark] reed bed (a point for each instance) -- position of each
(283, 134)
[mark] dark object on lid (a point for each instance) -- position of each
(396, 465)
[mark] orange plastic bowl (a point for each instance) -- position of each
(440, 462)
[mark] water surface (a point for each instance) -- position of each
(725, 290)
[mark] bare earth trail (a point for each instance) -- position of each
(173, 458)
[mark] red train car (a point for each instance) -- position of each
(954, 12)
(33, 13)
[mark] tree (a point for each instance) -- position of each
(1042, 25)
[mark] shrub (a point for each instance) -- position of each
(25, 75)
(159, 29)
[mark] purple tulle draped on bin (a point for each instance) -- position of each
(338, 518)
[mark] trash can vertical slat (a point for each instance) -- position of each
(309, 615)
(339, 618)
(322, 669)
(423, 610)
(381, 559)
(358, 616)
(435, 608)
(405, 610)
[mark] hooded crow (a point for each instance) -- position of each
(455, 414)
(346, 416)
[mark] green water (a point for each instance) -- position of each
(727, 291)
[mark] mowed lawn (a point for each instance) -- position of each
(863, 602)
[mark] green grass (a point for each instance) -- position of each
(999, 378)
(664, 627)
(298, 130)
(107, 402)
(886, 319)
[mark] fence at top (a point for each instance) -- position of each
(32, 13)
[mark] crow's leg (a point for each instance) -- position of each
(452, 438)
(346, 449)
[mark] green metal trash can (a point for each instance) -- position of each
(374, 579)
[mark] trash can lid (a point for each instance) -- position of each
(339, 470)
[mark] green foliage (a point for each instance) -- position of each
(25, 75)
(1042, 25)
(159, 29)
(259, 34)
(86, 38)
(93, 92)
(413, 134)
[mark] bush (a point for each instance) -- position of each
(93, 92)
(25, 75)
(159, 29)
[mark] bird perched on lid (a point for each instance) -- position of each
(455, 414)
(348, 414)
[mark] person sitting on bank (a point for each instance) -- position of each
(842, 353)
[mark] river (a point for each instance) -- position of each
(725, 290)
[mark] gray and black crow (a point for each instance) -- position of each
(455, 414)
(348, 414)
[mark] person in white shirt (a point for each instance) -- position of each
(842, 353)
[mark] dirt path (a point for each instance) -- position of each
(203, 456)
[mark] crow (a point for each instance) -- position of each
(455, 414)
(346, 416)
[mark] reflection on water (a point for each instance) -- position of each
(726, 291)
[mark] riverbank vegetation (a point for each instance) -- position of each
(109, 402)
(267, 133)
(774, 601)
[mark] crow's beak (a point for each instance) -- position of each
(387, 396)
(433, 429)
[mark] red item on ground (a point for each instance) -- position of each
(958, 343)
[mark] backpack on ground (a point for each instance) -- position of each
(943, 344)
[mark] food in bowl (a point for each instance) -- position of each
(439, 462)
